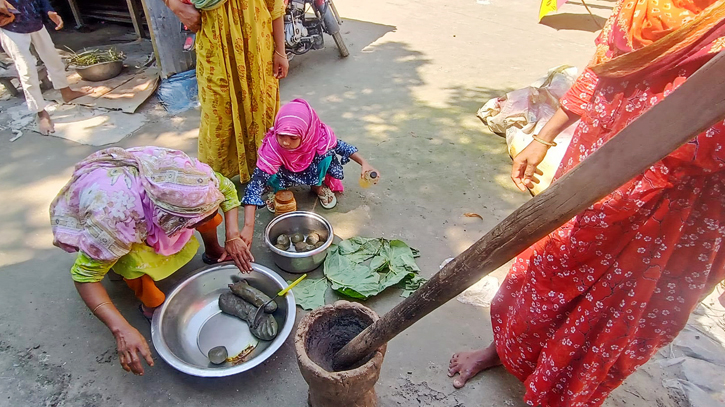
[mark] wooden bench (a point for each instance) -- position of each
(9, 73)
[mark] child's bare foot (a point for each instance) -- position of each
(69, 94)
(45, 125)
(469, 364)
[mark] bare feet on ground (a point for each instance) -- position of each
(69, 94)
(45, 125)
(469, 364)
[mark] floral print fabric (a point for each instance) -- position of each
(119, 197)
(583, 308)
(238, 92)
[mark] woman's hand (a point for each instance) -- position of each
(187, 13)
(525, 165)
(55, 18)
(237, 250)
(247, 235)
(281, 65)
(130, 343)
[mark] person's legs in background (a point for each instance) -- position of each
(45, 48)
(18, 48)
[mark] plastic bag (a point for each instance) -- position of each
(180, 92)
(522, 113)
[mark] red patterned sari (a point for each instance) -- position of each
(583, 308)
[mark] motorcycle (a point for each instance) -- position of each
(303, 31)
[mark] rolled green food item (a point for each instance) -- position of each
(235, 306)
(253, 296)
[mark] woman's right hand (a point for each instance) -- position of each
(187, 13)
(526, 163)
(130, 343)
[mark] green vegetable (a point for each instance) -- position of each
(310, 294)
(390, 263)
(95, 56)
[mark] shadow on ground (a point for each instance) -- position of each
(436, 164)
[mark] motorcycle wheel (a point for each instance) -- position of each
(341, 47)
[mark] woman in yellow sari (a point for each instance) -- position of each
(240, 58)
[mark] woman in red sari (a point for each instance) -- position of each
(584, 307)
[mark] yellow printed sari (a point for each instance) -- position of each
(238, 92)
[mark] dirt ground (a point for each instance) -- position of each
(407, 97)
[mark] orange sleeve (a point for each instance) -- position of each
(580, 94)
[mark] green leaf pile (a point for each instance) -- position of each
(364, 267)
(361, 268)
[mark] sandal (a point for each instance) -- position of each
(328, 200)
(208, 259)
(269, 203)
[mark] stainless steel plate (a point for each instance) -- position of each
(190, 323)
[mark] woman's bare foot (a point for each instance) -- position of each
(45, 125)
(469, 364)
(214, 251)
(147, 312)
(69, 94)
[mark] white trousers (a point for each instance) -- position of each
(18, 48)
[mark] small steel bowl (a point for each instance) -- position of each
(190, 322)
(298, 222)
(100, 72)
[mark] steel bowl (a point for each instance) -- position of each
(190, 323)
(100, 72)
(298, 222)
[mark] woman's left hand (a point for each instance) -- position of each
(238, 251)
(281, 66)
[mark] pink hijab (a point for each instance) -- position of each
(118, 197)
(297, 118)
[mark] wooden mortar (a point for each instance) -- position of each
(322, 333)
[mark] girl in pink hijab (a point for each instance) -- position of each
(299, 150)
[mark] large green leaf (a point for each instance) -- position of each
(310, 293)
(390, 263)
(360, 249)
(352, 279)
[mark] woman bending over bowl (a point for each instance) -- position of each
(135, 211)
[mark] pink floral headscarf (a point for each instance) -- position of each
(118, 197)
(297, 118)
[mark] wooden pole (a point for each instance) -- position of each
(134, 8)
(695, 106)
(76, 13)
